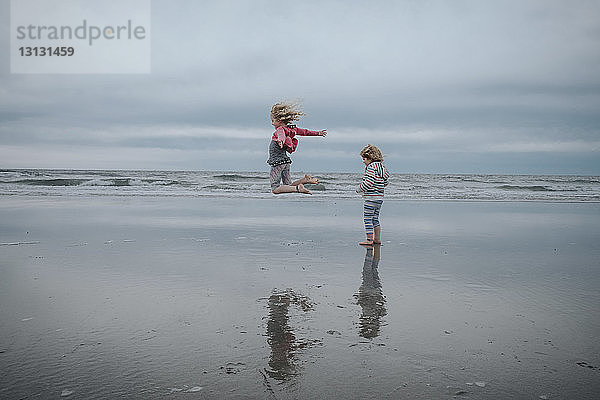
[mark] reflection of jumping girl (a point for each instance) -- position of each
(283, 140)
(372, 187)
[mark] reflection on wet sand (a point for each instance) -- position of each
(281, 338)
(370, 296)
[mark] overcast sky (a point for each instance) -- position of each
(440, 86)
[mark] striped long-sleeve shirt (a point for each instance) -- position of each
(374, 181)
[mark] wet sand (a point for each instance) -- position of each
(238, 298)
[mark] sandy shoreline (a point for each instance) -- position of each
(272, 298)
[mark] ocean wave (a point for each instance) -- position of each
(318, 186)
(91, 182)
(50, 182)
(589, 181)
(163, 182)
(227, 188)
(494, 182)
(236, 177)
(108, 182)
(120, 182)
(473, 180)
(533, 188)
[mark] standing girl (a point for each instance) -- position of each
(372, 187)
(283, 140)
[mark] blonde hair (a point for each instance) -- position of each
(287, 112)
(371, 152)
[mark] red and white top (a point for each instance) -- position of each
(286, 135)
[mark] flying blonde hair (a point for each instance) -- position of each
(371, 152)
(287, 111)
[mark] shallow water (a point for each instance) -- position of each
(272, 298)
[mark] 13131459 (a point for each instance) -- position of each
(62, 51)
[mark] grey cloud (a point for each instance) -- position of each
(474, 76)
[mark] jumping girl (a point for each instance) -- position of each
(283, 142)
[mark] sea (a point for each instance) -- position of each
(235, 184)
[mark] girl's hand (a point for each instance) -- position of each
(323, 132)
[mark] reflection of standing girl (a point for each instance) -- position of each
(370, 296)
(372, 187)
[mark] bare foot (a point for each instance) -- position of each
(301, 189)
(310, 179)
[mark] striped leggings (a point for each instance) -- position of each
(371, 215)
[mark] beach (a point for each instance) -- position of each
(162, 297)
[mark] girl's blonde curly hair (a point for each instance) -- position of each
(371, 152)
(287, 112)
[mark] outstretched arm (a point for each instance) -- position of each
(306, 132)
